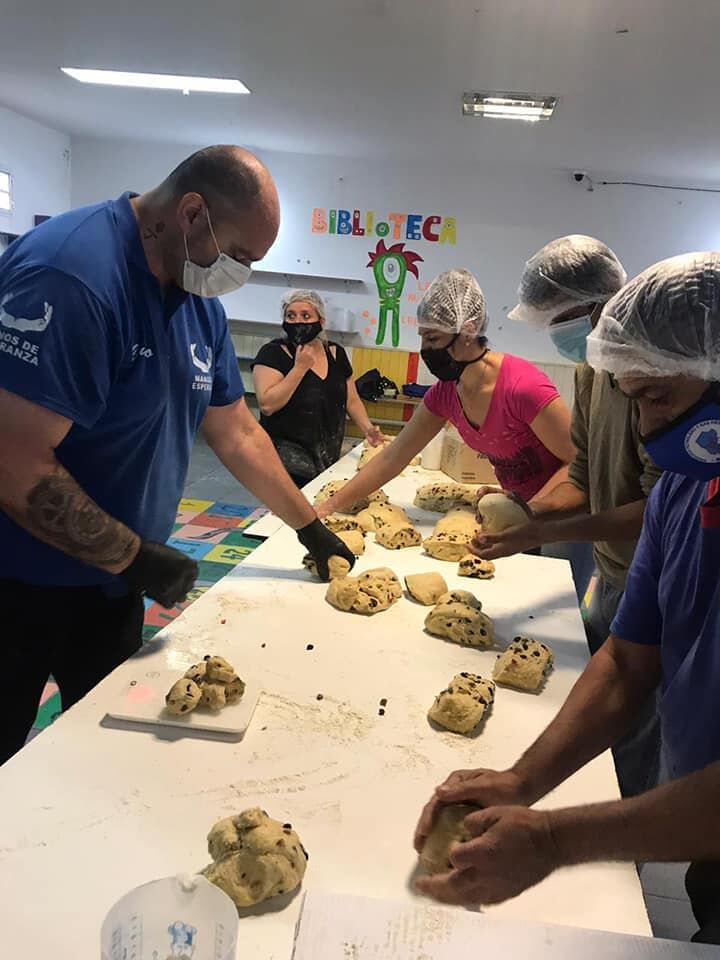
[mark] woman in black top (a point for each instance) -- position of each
(305, 390)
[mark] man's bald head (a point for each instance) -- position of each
(227, 177)
(219, 198)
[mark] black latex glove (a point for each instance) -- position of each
(322, 544)
(162, 573)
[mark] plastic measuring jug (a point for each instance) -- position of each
(176, 918)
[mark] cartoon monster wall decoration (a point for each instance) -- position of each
(391, 267)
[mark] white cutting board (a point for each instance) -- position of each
(142, 701)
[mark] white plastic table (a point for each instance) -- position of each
(89, 812)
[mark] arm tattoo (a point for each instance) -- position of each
(63, 515)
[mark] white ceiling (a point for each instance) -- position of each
(383, 78)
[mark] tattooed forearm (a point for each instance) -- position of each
(63, 515)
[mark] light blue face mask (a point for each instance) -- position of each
(570, 338)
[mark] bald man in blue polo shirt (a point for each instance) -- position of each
(660, 338)
(114, 351)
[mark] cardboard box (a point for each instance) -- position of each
(462, 463)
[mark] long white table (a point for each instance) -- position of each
(89, 812)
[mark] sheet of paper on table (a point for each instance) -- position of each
(359, 928)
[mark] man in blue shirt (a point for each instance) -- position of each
(114, 351)
(660, 338)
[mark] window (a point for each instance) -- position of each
(5, 192)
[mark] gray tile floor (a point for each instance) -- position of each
(662, 883)
(208, 479)
(667, 904)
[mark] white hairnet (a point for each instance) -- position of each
(454, 302)
(665, 322)
(304, 296)
(566, 273)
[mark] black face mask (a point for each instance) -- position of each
(301, 333)
(442, 365)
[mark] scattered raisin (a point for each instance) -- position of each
(319, 696)
(310, 646)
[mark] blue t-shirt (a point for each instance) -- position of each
(672, 598)
(87, 332)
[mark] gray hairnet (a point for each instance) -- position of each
(306, 296)
(454, 302)
(567, 273)
(665, 322)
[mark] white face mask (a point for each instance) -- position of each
(222, 276)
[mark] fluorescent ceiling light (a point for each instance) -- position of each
(508, 106)
(156, 81)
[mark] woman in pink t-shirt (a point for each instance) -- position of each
(502, 406)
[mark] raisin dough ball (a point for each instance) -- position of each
(213, 696)
(524, 665)
(461, 623)
(462, 705)
(393, 528)
(255, 857)
(219, 670)
(444, 496)
(371, 592)
(472, 566)
(451, 536)
(182, 697)
(499, 511)
(338, 522)
(448, 832)
(334, 486)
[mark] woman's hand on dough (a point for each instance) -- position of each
(486, 788)
(304, 357)
(375, 436)
(512, 848)
(484, 489)
(492, 546)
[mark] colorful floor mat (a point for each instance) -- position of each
(211, 532)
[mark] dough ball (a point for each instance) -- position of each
(354, 540)
(461, 596)
(371, 592)
(342, 593)
(460, 623)
(472, 566)
(334, 486)
(396, 537)
(426, 588)
(337, 522)
(448, 832)
(444, 496)
(451, 536)
(368, 452)
(234, 690)
(499, 511)
(337, 566)
(219, 670)
(393, 528)
(524, 665)
(213, 696)
(198, 672)
(462, 705)
(182, 697)
(366, 521)
(255, 857)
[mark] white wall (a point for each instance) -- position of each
(503, 217)
(38, 158)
